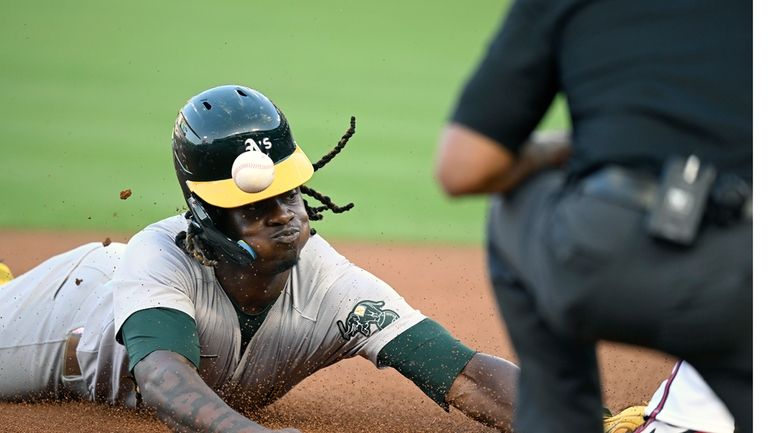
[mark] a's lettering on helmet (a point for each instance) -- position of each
(264, 144)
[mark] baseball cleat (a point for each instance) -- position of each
(5, 274)
(626, 421)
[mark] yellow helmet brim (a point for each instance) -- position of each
(289, 174)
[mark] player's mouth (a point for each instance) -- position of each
(287, 235)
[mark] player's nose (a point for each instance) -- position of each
(279, 213)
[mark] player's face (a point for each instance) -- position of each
(277, 228)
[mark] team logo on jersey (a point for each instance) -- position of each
(364, 315)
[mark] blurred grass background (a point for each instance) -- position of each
(90, 89)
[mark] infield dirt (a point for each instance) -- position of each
(447, 283)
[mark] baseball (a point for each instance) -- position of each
(253, 171)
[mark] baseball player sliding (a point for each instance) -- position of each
(232, 304)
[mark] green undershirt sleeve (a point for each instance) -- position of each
(160, 329)
(429, 356)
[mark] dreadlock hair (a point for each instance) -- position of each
(338, 148)
(315, 213)
(190, 240)
(192, 245)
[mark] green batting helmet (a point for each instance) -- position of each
(219, 124)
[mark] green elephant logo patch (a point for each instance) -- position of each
(364, 315)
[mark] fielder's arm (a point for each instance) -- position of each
(484, 391)
(170, 384)
(471, 163)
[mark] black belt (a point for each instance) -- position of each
(730, 200)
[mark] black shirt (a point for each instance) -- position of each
(643, 80)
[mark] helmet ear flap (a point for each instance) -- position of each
(200, 216)
(201, 223)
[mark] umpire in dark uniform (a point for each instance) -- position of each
(646, 237)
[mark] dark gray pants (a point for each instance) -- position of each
(569, 269)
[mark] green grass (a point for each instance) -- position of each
(90, 90)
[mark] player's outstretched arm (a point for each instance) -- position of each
(452, 374)
(484, 391)
(170, 384)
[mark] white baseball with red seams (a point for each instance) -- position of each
(253, 171)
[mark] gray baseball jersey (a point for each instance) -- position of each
(330, 310)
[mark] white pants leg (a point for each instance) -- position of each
(37, 312)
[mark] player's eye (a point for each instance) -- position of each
(254, 211)
(292, 195)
